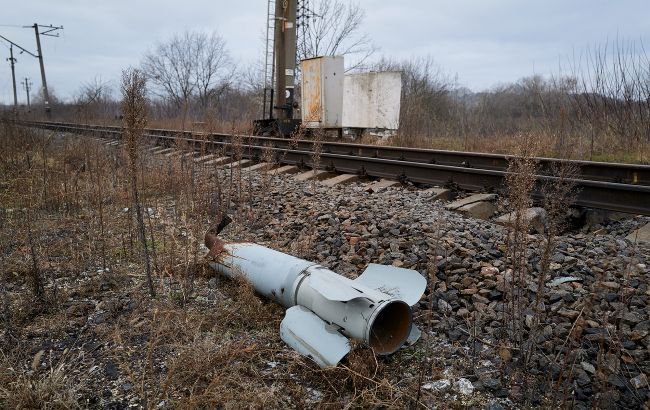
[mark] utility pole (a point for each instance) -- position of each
(39, 51)
(285, 56)
(46, 94)
(27, 86)
(12, 61)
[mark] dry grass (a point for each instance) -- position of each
(606, 148)
(207, 125)
(49, 389)
(193, 345)
(578, 146)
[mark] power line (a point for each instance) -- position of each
(12, 61)
(16, 45)
(39, 30)
(27, 86)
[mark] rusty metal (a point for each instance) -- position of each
(311, 95)
(322, 92)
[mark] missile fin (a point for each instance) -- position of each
(311, 336)
(405, 284)
(339, 288)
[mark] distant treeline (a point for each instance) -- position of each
(602, 107)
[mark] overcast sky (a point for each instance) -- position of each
(482, 42)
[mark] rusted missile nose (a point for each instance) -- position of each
(212, 242)
(215, 245)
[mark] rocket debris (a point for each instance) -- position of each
(326, 309)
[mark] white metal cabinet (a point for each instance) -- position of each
(372, 100)
(322, 92)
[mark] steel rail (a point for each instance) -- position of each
(614, 196)
(588, 170)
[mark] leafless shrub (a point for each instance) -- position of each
(426, 102)
(520, 183)
(134, 110)
(94, 101)
(613, 96)
(558, 193)
(268, 157)
(36, 277)
(316, 152)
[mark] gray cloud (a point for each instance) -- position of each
(482, 42)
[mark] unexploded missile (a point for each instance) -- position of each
(324, 309)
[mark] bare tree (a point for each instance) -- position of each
(335, 30)
(169, 68)
(93, 99)
(38, 99)
(426, 101)
(214, 69)
(189, 65)
(613, 95)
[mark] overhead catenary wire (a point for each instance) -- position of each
(19, 46)
(46, 30)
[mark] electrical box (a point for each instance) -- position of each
(372, 100)
(322, 92)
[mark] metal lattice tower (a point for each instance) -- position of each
(305, 13)
(269, 59)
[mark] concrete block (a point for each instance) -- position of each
(164, 151)
(478, 210)
(242, 163)
(595, 217)
(219, 161)
(317, 174)
(535, 217)
(287, 169)
(155, 153)
(439, 194)
(470, 200)
(173, 154)
(340, 180)
(205, 158)
(381, 185)
(261, 167)
(640, 235)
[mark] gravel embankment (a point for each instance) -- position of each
(593, 339)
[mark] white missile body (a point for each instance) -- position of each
(326, 309)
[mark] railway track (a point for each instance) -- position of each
(608, 186)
